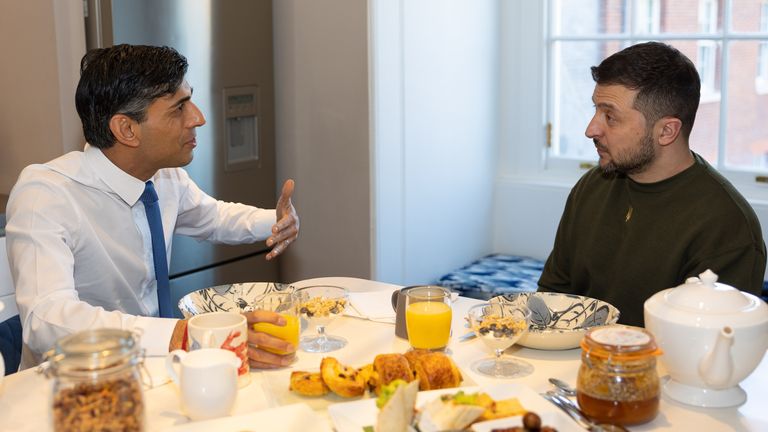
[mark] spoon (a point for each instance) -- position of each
(572, 410)
(563, 386)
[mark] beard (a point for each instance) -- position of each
(632, 161)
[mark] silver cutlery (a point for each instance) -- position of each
(572, 410)
(563, 387)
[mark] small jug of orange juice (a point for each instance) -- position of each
(287, 305)
(428, 317)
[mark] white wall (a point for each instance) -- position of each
(434, 89)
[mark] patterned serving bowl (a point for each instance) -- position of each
(237, 297)
(560, 321)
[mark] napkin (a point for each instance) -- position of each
(154, 374)
(371, 305)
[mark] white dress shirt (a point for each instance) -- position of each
(80, 251)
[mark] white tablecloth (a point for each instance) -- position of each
(25, 396)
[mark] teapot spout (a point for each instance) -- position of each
(716, 367)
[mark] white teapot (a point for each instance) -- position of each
(712, 335)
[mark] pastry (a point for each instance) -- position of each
(343, 380)
(434, 370)
(308, 383)
(389, 367)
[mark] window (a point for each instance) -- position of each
(727, 40)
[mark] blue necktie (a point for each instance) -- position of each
(149, 198)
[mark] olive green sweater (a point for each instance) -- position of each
(622, 241)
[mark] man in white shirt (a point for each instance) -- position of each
(78, 239)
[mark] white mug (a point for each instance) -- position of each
(207, 379)
(225, 330)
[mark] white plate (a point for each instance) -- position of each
(289, 418)
(354, 416)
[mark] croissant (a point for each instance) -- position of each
(389, 367)
(434, 370)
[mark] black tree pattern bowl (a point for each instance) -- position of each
(237, 297)
(560, 321)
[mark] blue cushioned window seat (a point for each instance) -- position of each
(494, 275)
(498, 274)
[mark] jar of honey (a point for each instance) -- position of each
(617, 381)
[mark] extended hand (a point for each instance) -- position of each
(260, 358)
(285, 231)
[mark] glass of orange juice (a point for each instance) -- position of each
(428, 317)
(287, 305)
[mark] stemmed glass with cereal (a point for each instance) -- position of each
(499, 326)
(319, 305)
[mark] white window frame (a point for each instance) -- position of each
(707, 51)
(525, 44)
(761, 78)
(647, 17)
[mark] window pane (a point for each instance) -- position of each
(746, 144)
(689, 16)
(588, 17)
(571, 97)
(749, 15)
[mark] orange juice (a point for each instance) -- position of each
(429, 324)
(289, 332)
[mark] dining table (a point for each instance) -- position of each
(266, 404)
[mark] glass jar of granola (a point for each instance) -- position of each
(617, 381)
(96, 381)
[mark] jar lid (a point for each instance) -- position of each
(101, 350)
(619, 341)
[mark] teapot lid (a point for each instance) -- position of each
(705, 294)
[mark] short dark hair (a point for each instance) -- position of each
(667, 81)
(123, 79)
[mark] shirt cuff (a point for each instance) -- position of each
(156, 334)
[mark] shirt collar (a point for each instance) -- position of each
(126, 186)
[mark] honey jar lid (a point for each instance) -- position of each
(619, 341)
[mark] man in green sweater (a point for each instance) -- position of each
(653, 213)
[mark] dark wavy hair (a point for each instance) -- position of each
(123, 79)
(667, 81)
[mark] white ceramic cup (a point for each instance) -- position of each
(225, 330)
(207, 379)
